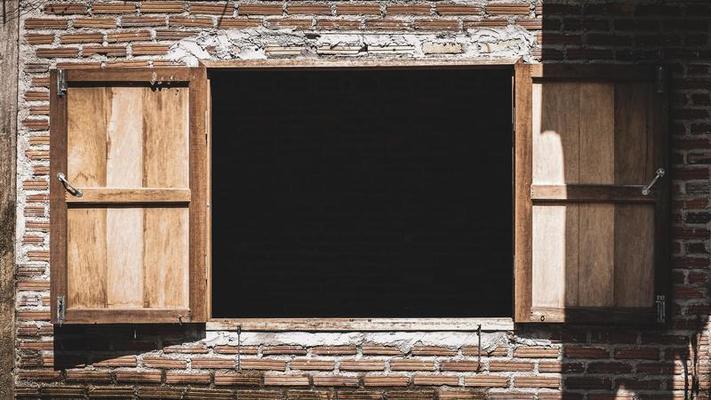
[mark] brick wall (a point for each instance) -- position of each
(531, 363)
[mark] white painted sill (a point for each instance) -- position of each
(360, 324)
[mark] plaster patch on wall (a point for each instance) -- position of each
(403, 340)
(262, 43)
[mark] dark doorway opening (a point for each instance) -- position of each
(362, 193)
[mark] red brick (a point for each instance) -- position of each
(536, 352)
(435, 380)
(286, 380)
(162, 7)
(39, 374)
(191, 22)
(510, 366)
(362, 365)
(312, 364)
(71, 38)
(114, 8)
(409, 9)
(228, 349)
(173, 377)
(129, 22)
(36, 38)
(421, 350)
(212, 8)
(45, 23)
(260, 9)
(162, 362)
(357, 9)
(308, 9)
(391, 380)
(284, 350)
(238, 22)
(411, 365)
(263, 364)
(87, 375)
(333, 350)
(460, 366)
(507, 9)
(138, 376)
(149, 49)
(457, 9)
(639, 353)
(65, 8)
(585, 352)
(97, 23)
(116, 361)
(128, 36)
(335, 380)
(231, 378)
(109, 51)
(213, 362)
(552, 382)
(486, 381)
(57, 52)
(587, 383)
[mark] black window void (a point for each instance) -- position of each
(362, 193)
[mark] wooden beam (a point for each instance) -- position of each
(142, 195)
(361, 324)
(590, 194)
(359, 64)
(9, 52)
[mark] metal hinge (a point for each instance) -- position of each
(61, 308)
(61, 83)
(661, 79)
(661, 308)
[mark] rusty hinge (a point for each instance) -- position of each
(661, 79)
(661, 302)
(61, 309)
(61, 83)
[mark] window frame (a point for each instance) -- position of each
(346, 324)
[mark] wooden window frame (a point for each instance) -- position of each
(194, 79)
(352, 324)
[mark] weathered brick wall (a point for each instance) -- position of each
(533, 362)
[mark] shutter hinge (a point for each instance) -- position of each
(61, 308)
(661, 309)
(661, 80)
(61, 83)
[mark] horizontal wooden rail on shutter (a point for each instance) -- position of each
(79, 76)
(590, 193)
(593, 315)
(145, 195)
(127, 316)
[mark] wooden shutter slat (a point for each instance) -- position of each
(134, 248)
(595, 136)
(131, 195)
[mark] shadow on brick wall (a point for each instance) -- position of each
(603, 363)
(117, 345)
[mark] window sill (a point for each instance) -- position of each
(360, 324)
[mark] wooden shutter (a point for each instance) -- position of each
(589, 245)
(131, 248)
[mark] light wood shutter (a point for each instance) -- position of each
(589, 245)
(132, 247)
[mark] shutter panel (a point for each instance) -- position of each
(589, 245)
(132, 247)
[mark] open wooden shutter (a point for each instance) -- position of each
(589, 245)
(128, 195)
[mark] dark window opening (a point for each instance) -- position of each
(362, 193)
